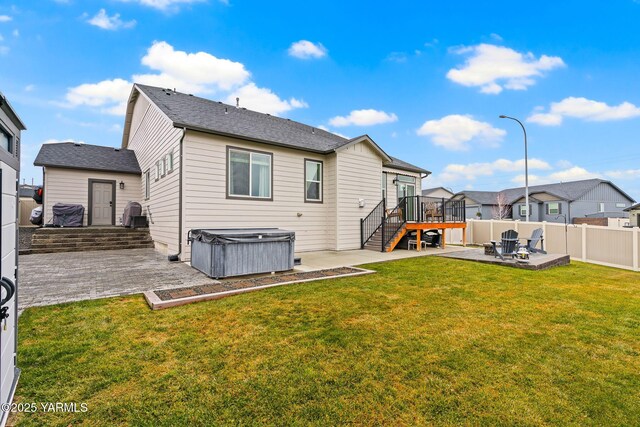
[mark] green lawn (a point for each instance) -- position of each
(423, 341)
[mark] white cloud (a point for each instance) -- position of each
(5, 18)
(497, 37)
(494, 68)
(15, 33)
(455, 132)
(164, 5)
(470, 172)
(366, 117)
(624, 174)
(110, 95)
(263, 100)
(106, 22)
(29, 88)
(585, 109)
(574, 173)
(304, 49)
(197, 73)
(58, 141)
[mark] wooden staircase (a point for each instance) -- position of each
(375, 242)
(67, 239)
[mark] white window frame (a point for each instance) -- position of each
(601, 207)
(169, 161)
(157, 170)
(147, 184)
(314, 162)
(549, 209)
(383, 184)
(251, 153)
(621, 205)
(523, 210)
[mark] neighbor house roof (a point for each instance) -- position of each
(72, 155)
(200, 114)
(568, 191)
(25, 190)
(8, 109)
(632, 208)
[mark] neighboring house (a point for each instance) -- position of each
(552, 202)
(205, 164)
(634, 215)
(102, 179)
(437, 193)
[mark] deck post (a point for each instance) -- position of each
(464, 236)
(444, 238)
(418, 242)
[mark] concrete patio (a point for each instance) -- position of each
(47, 279)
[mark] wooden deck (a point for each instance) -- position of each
(443, 226)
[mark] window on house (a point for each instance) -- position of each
(601, 207)
(553, 208)
(158, 170)
(313, 181)
(621, 205)
(523, 210)
(147, 184)
(384, 186)
(407, 179)
(5, 141)
(169, 162)
(249, 174)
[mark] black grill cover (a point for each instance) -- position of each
(132, 209)
(66, 215)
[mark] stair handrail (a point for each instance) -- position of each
(393, 222)
(372, 223)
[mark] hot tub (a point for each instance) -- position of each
(235, 252)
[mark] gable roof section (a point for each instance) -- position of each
(204, 115)
(568, 191)
(71, 155)
(632, 207)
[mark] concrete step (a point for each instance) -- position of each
(47, 250)
(92, 239)
(88, 244)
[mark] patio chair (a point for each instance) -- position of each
(508, 245)
(432, 212)
(532, 242)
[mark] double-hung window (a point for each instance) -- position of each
(249, 174)
(313, 181)
(147, 184)
(553, 208)
(169, 161)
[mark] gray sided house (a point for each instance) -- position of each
(437, 193)
(634, 215)
(205, 164)
(552, 202)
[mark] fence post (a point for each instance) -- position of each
(635, 248)
(584, 242)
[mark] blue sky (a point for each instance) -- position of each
(426, 80)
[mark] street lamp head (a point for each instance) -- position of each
(502, 116)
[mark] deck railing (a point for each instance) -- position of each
(372, 223)
(393, 221)
(428, 209)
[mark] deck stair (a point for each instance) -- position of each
(67, 239)
(375, 242)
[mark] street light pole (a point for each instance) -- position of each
(526, 165)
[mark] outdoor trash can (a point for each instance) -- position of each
(222, 253)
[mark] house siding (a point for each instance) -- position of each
(152, 137)
(359, 170)
(589, 203)
(72, 186)
(205, 202)
(392, 189)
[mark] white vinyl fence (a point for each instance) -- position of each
(610, 246)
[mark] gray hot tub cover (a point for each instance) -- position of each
(245, 235)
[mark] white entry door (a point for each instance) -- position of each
(8, 372)
(102, 203)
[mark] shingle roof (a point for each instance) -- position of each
(193, 112)
(84, 156)
(632, 207)
(402, 165)
(569, 191)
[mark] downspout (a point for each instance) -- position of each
(176, 257)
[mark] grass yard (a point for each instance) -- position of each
(425, 341)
